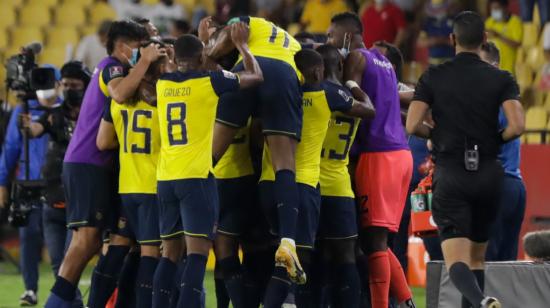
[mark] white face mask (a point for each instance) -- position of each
(45, 94)
(344, 51)
(497, 15)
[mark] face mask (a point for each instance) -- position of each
(134, 59)
(45, 94)
(73, 98)
(497, 15)
(344, 51)
(380, 2)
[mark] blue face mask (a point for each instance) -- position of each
(134, 59)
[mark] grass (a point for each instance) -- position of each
(11, 287)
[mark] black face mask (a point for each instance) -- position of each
(168, 2)
(73, 98)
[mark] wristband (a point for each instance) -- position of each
(351, 84)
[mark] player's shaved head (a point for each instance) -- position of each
(331, 58)
(310, 63)
(188, 47)
(469, 30)
(350, 21)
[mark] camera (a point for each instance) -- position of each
(19, 68)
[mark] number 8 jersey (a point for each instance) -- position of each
(137, 131)
(186, 103)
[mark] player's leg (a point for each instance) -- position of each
(171, 231)
(148, 237)
(126, 296)
(229, 264)
(199, 210)
(31, 246)
(222, 298)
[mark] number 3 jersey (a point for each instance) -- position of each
(186, 103)
(137, 131)
(318, 103)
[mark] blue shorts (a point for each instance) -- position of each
(237, 199)
(338, 219)
(139, 218)
(278, 101)
(188, 206)
(91, 195)
(308, 212)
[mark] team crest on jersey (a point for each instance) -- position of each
(121, 223)
(344, 95)
(229, 75)
(115, 71)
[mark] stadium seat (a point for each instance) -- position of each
(530, 35)
(535, 118)
(21, 36)
(524, 76)
(535, 58)
(11, 3)
(88, 29)
(7, 17)
(101, 11)
(34, 15)
(82, 3)
(60, 37)
(293, 28)
(53, 55)
(70, 15)
(3, 40)
(149, 2)
(49, 3)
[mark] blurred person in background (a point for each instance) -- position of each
(504, 236)
(383, 21)
(527, 8)
(270, 9)
(127, 9)
(12, 158)
(178, 27)
(436, 30)
(317, 14)
(91, 48)
(506, 31)
(163, 12)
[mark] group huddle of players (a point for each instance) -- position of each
(254, 158)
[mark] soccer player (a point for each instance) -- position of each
(320, 98)
(187, 101)
(338, 222)
(278, 100)
(133, 128)
(236, 188)
(87, 171)
(384, 168)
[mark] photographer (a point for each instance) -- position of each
(13, 156)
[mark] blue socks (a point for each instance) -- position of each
(127, 281)
(287, 200)
(222, 298)
(233, 278)
(191, 284)
(347, 285)
(105, 276)
(144, 282)
(277, 289)
(163, 282)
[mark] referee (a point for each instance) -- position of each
(465, 95)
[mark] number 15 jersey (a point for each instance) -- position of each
(186, 103)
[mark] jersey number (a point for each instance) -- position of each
(175, 138)
(332, 154)
(146, 149)
(274, 31)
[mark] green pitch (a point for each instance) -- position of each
(11, 287)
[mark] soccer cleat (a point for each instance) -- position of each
(490, 302)
(28, 298)
(286, 257)
(409, 303)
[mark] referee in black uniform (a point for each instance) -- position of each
(465, 95)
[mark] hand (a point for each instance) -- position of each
(24, 121)
(492, 33)
(152, 52)
(204, 27)
(239, 34)
(4, 196)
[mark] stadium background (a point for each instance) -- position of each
(60, 24)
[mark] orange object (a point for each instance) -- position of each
(422, 224)
(416, 271)
(112, 301)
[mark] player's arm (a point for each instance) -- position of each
(419, 121)
(362, 106)
(221, 45)
(123, 88)
(106, 136)
(516, 120)
(252, 74)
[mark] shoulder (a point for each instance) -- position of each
(515, 20)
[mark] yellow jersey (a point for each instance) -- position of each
(186, 103)
(318, 103)
(137, 130)
(335, 179)
(511, 29)
(236, 161)
(268, 40)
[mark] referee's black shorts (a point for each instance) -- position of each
(465, 203)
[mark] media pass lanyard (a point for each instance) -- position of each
(471, 156)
